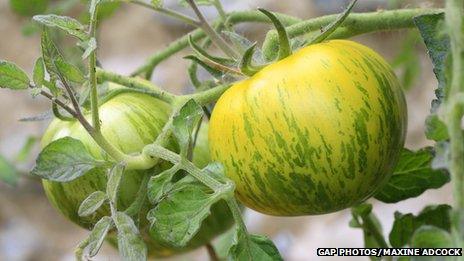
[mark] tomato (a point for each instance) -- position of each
(129, 121)
(316, 132)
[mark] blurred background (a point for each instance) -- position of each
(30, 229)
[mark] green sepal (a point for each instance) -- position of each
(220, 60)
(330, 28)
(246, 66)
(284, 42)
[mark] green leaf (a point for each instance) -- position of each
(8, 172)
(69, 71)
(12, 77)
(64, 160)
(198, 2)
(187, 200)
(65, 23)
(254, 247)
(405, 225)
(114, 181)
(435, 129)
(224, 243)
(92, 203)
(130, 243)
(184, 123)
(438, 47)
(29, 7)
(50, 54)
(23, 154)
(38, 74)
(98, 234)
(160, 185)
(89, 47)
(431, 237)
(412, 176)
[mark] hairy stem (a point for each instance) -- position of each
(136, 83)
(354, 24)
(455, 111)
(92, 74)
(215, 37)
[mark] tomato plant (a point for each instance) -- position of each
(297, 141)
(131, 121)
(307, 124)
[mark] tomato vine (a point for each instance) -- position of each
(209, 185)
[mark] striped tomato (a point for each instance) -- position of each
(313, 133)
(129, 121)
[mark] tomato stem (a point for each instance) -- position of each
(455, 111)
(92, 74)
(136, 84)
(354, 24)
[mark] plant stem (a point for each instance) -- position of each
(92, 74)
(136, 83)
(215, 37)
(207, 96)
(59, 103)
(455, 110)
(168, 12)
(354, 24)
(218, 5)
(174, 158)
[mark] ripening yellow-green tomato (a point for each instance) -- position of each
(316, 132)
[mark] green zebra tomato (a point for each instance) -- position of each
(316, 132)
(129, 121)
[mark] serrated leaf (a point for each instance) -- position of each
(64, 160)
(254, 247)
(431, 237)
(89, 47)
(184, 123)
(69, 71)
(38, 74)
(12, 77)
(161, 184)
(412, 176)
(8, 172)
(438, 47)
(98, 234)
(190, 201)
(405, 224)
(130, 243)
(92, 203)
(68, 24)
(114, 181)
